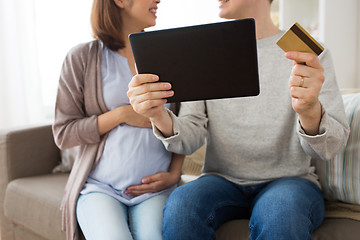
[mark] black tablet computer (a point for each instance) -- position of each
(202, 62)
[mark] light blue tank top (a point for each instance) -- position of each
(130, 153)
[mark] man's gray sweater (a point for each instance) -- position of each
(252, 140)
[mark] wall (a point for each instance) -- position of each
(340, 31)
(338, 25)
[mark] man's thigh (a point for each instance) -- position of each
(287, 206)
(214, 199)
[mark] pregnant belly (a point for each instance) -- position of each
(129, 155)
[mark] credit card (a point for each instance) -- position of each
(299, 40)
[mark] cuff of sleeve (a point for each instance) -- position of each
(323, 127)
(90, 129)
(173, 138)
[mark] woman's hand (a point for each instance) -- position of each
(305, 84)
(134, 119)
(119, 115)
(154, 183)
(159, 181)
(148, 96)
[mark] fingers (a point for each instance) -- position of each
(298, 81)
(145, 85)
(149, 93)
(306, 95)
(306, 76)
(146, 95)
(153, 183)
(143, 188)
(140, 188)
(307, 71)
(309, 59)
(140, 79)
(305, 82)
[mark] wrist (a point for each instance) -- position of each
(310, 120)
(175, 175)
(121, 115)
(163, 122)
(159, 118)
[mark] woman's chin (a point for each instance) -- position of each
(224, 15)
(150, 24)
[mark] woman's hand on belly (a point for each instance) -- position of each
(124, 114)
(155, 183)
(134, 119)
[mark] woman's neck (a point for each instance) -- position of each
(126, 51)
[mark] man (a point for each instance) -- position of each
(259, 149)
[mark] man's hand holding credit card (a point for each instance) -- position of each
(307, 76)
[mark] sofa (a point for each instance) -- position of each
(30, 191)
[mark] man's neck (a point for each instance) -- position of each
(265, 28)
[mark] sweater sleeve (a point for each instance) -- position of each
(333, 129)
(72, 125)
(190, 129)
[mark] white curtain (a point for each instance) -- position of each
(35, 36)
(19, 75)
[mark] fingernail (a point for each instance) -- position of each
(155, 77)
(167, 85)
(170, 93)
(290, 54)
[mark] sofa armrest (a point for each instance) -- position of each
(27, 152)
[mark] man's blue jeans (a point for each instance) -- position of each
(285, 209)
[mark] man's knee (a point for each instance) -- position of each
(177, 204)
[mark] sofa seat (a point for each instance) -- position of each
(34, 204)
(330, 229)
(30, 195)
(32, 201)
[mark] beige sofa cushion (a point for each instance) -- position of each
(34, 204)
(193, 163)
(334, 229)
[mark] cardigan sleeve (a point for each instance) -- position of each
(72, 125)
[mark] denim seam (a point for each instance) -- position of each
(211, 215)
(311, 218)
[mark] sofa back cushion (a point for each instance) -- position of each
(340, 177)
(67, 160)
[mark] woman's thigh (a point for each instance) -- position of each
(102, 217)
(146, 218)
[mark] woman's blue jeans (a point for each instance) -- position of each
(288, 208)
(101, 216)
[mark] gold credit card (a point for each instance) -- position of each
(299, 40)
